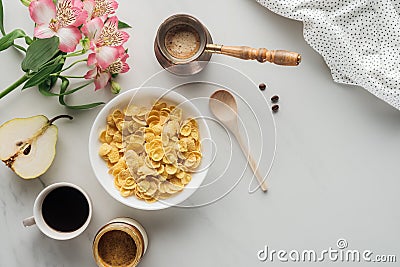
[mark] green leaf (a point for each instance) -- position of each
(48, 84)
(8, 40)
(69, 92)
(61, 99)
(86, 106)
(53, 79)
(63, 89)
(41, 75)
(45, 86)
(3, 32)
(57, 59)
(39, 53)
(123, 25)
(28, 40)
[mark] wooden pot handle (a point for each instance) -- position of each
(279, 57)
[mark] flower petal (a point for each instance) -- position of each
(43, 31)
(103, 8)
(124, 57)
(88, 5)
(70, 13)
(91, 74)
(92, 29)
(101, 80)
(81, 17)
(80, 12)
(112, 24)
(42, 11)
(110, 35)
(69, 38)
(106, 55)
(114, 5)
(77, 4)
(125, 67)
(121, 51)
(125, 37)
(91, 59)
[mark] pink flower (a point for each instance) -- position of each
(61, 21)
(100, 8)
(105, 39)
(103, 76)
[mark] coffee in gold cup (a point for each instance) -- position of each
(122, 242)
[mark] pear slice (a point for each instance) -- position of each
(28, 145)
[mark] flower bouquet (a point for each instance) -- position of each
(84, 31)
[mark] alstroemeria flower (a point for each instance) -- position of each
(100, 8)
(103, 76)
(105, 38)
(61, 21)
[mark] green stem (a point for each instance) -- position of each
(77, 53)
(14, 85)
(58, 58)
(72, 77)
(73, 64)
(67, 68)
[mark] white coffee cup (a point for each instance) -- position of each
(38, 219)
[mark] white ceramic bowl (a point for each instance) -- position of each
(146, 97)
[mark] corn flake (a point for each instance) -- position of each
(104, 149)
(113, 155)
(150, 152)
(185, 130)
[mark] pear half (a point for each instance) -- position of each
(28, 145)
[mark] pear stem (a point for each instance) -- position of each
(60, 117)
(14, 85)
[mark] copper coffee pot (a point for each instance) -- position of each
(206, 47)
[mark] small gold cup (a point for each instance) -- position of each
(122, 242)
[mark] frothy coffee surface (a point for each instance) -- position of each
(182, 41)
(117, 248)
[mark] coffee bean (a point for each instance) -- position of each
(275, 99)
(275, 108)
(262, 86)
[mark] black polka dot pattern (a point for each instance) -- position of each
(359, 40)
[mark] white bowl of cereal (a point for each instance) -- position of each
(146, 148)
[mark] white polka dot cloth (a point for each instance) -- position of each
(359, 40)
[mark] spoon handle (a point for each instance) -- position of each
(279, 57)
(251, 161)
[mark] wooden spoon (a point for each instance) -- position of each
(223, 106)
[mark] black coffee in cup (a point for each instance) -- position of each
(65, 209)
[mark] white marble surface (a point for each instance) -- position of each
(335, 174)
